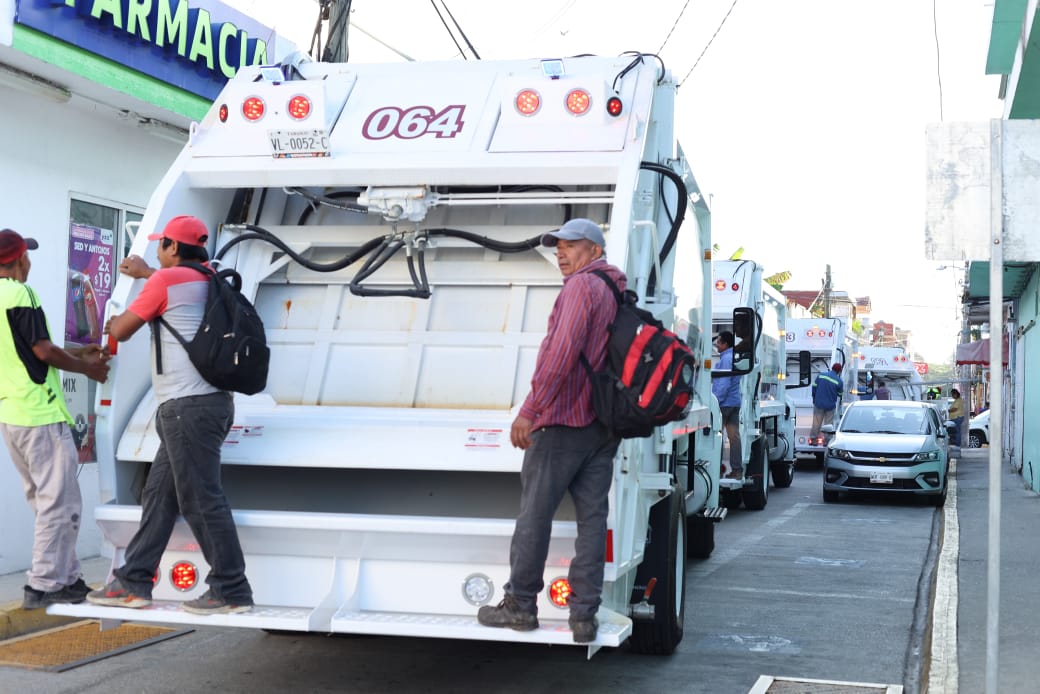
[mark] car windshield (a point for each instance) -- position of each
(881, 420)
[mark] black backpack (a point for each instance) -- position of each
(649, 374)
(230, 346)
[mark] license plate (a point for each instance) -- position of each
(287, 144)
(881, 478)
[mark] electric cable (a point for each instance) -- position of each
(708, 45)
(461, 32)
(674, 24)
(448, 29)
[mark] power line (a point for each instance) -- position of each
(938, 64)
(448, 29)
(674, 24)
(461, 32)
(710, 42)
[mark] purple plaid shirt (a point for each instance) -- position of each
(561, 392)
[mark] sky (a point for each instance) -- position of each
(803, 121)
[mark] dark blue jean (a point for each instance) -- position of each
(185, 479)
(561, 460)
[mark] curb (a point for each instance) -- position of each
(16, 621)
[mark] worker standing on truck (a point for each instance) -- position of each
(192, 422)
(565, 447)
(826, 392)
(35, 422)
(726, 390)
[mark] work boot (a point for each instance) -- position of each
(208, 603)
(74, 593)
(583, 630)
(507, 613)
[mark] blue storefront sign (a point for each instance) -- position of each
(196, 45)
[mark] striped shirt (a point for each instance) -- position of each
(561, 391)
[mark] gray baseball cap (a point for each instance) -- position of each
(575, 229)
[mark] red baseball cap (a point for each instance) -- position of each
(13, 245)
(184, 229)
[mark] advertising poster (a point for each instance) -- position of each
(89, 288)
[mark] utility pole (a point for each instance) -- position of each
(827, 293)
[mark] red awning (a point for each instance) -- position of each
(978, 352)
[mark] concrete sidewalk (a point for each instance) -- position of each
(1019, 608)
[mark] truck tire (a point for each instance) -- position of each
(783, 473)
(665, 560)
(700, 537)
(757, 494)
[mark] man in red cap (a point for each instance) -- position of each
(35, 422)
(192, 421)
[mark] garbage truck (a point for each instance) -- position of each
(823, 342)
(385, 220)
(891, 366)
(743, 303)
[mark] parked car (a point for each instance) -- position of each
(978, 430)
(892, 446)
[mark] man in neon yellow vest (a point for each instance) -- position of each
(35, 423)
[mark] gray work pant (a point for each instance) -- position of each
(45, 457)
(560, 460)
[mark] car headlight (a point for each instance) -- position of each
(840, 453)
(927, 456)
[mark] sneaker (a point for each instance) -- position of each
(35, 599)
(208, 603)
(584, 630)
(115, 594)
(507, 613)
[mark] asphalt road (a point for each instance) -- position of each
(801, 589)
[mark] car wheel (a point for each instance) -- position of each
(830, 496)
(976, 438)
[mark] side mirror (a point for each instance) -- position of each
(804, 368)
(743, 351)
(827, 429)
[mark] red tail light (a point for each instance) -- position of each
(253, 108)
(559, 592)
(222, 113)
(299, 107)
(614, 106)
(578, 102)
(528, 102)
(184, 575)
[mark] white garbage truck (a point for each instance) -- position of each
(891, 366)
(822, 342)
(385, 220)
(743, 303)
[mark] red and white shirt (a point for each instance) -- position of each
(178, 294)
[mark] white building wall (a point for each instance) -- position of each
(50, 153)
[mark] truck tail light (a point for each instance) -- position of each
(253, 108)
(184, 575)
(614, 106)
(527, 102)
(222, 113)
(299, 107)
(559, 592)
(720, 285)
(578, 102)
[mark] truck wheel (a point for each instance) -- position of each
(664, 559)
(757, 495)
(729, 499)
(700, 537)
(783, 473)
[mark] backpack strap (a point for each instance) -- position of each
(159, 320)
(617, 296)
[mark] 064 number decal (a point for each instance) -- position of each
(413, 122)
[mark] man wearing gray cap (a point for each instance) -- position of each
(565, 447)
(35, 423)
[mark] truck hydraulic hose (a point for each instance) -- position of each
(680, 213)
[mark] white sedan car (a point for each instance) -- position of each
(978, 430)
(891, 446)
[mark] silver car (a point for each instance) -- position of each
(894, 446)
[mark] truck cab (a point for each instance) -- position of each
(743, 303)
(893, 366)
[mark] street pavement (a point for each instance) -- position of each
(965, 594)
